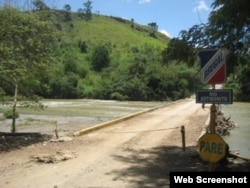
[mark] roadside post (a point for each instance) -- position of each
(214, 96)
(211, 147)
(183, 138)
(212, 119)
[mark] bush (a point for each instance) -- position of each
(118, 96)
(8, 113)
(100, 58)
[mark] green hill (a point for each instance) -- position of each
(122, 36)
(113, 58)
(106, 58)
(117, 31)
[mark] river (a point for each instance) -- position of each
(239, 137)
(87, 111)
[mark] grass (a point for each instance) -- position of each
(103, 29)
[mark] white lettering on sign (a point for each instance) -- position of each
(220, 96)
(212, 94)
(213, 65)
(213, 99)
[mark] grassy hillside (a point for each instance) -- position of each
(122, 36)
(102, 29)
(135, 70)
(125, 40)
(111, 58)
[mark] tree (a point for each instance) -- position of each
(67, 14)
(82, 46)
(100, 58)
(228, 27)
(132, 23)
(40, 5)
(80, 13)
(70, 64)
(26, 51)
(179, 50)
(64, 86)
(67, 7)
(88, 10)
(153, 25)
(197, 36)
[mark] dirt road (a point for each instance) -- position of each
(139, 152)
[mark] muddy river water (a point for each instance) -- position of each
(239, 138)
(71, 115)
(84, 113)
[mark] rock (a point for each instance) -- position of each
(53, 158)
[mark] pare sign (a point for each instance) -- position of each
(212, 148)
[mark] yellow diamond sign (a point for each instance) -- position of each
(212, 148)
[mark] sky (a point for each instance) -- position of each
(171, 16)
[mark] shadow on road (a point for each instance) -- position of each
(151, 167)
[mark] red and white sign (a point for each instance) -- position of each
(213, 66)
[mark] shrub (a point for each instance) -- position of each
(8, 113)
(118, 96)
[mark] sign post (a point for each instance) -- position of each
(213, 71)
(212, 119)
(211, 146)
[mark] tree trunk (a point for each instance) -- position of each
(13, 130)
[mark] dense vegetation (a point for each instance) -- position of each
(107, 58)
(62, 54)
(228, 27)
(112, 58)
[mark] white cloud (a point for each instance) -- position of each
(201, 5)
(144, 1)
(165, 33)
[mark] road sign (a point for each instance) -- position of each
(212, 96)
(213, 66)
(212, 148)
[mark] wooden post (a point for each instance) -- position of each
(183, 138)
(212, 119)
(211, 167)
(212, 116)
(56, 130)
